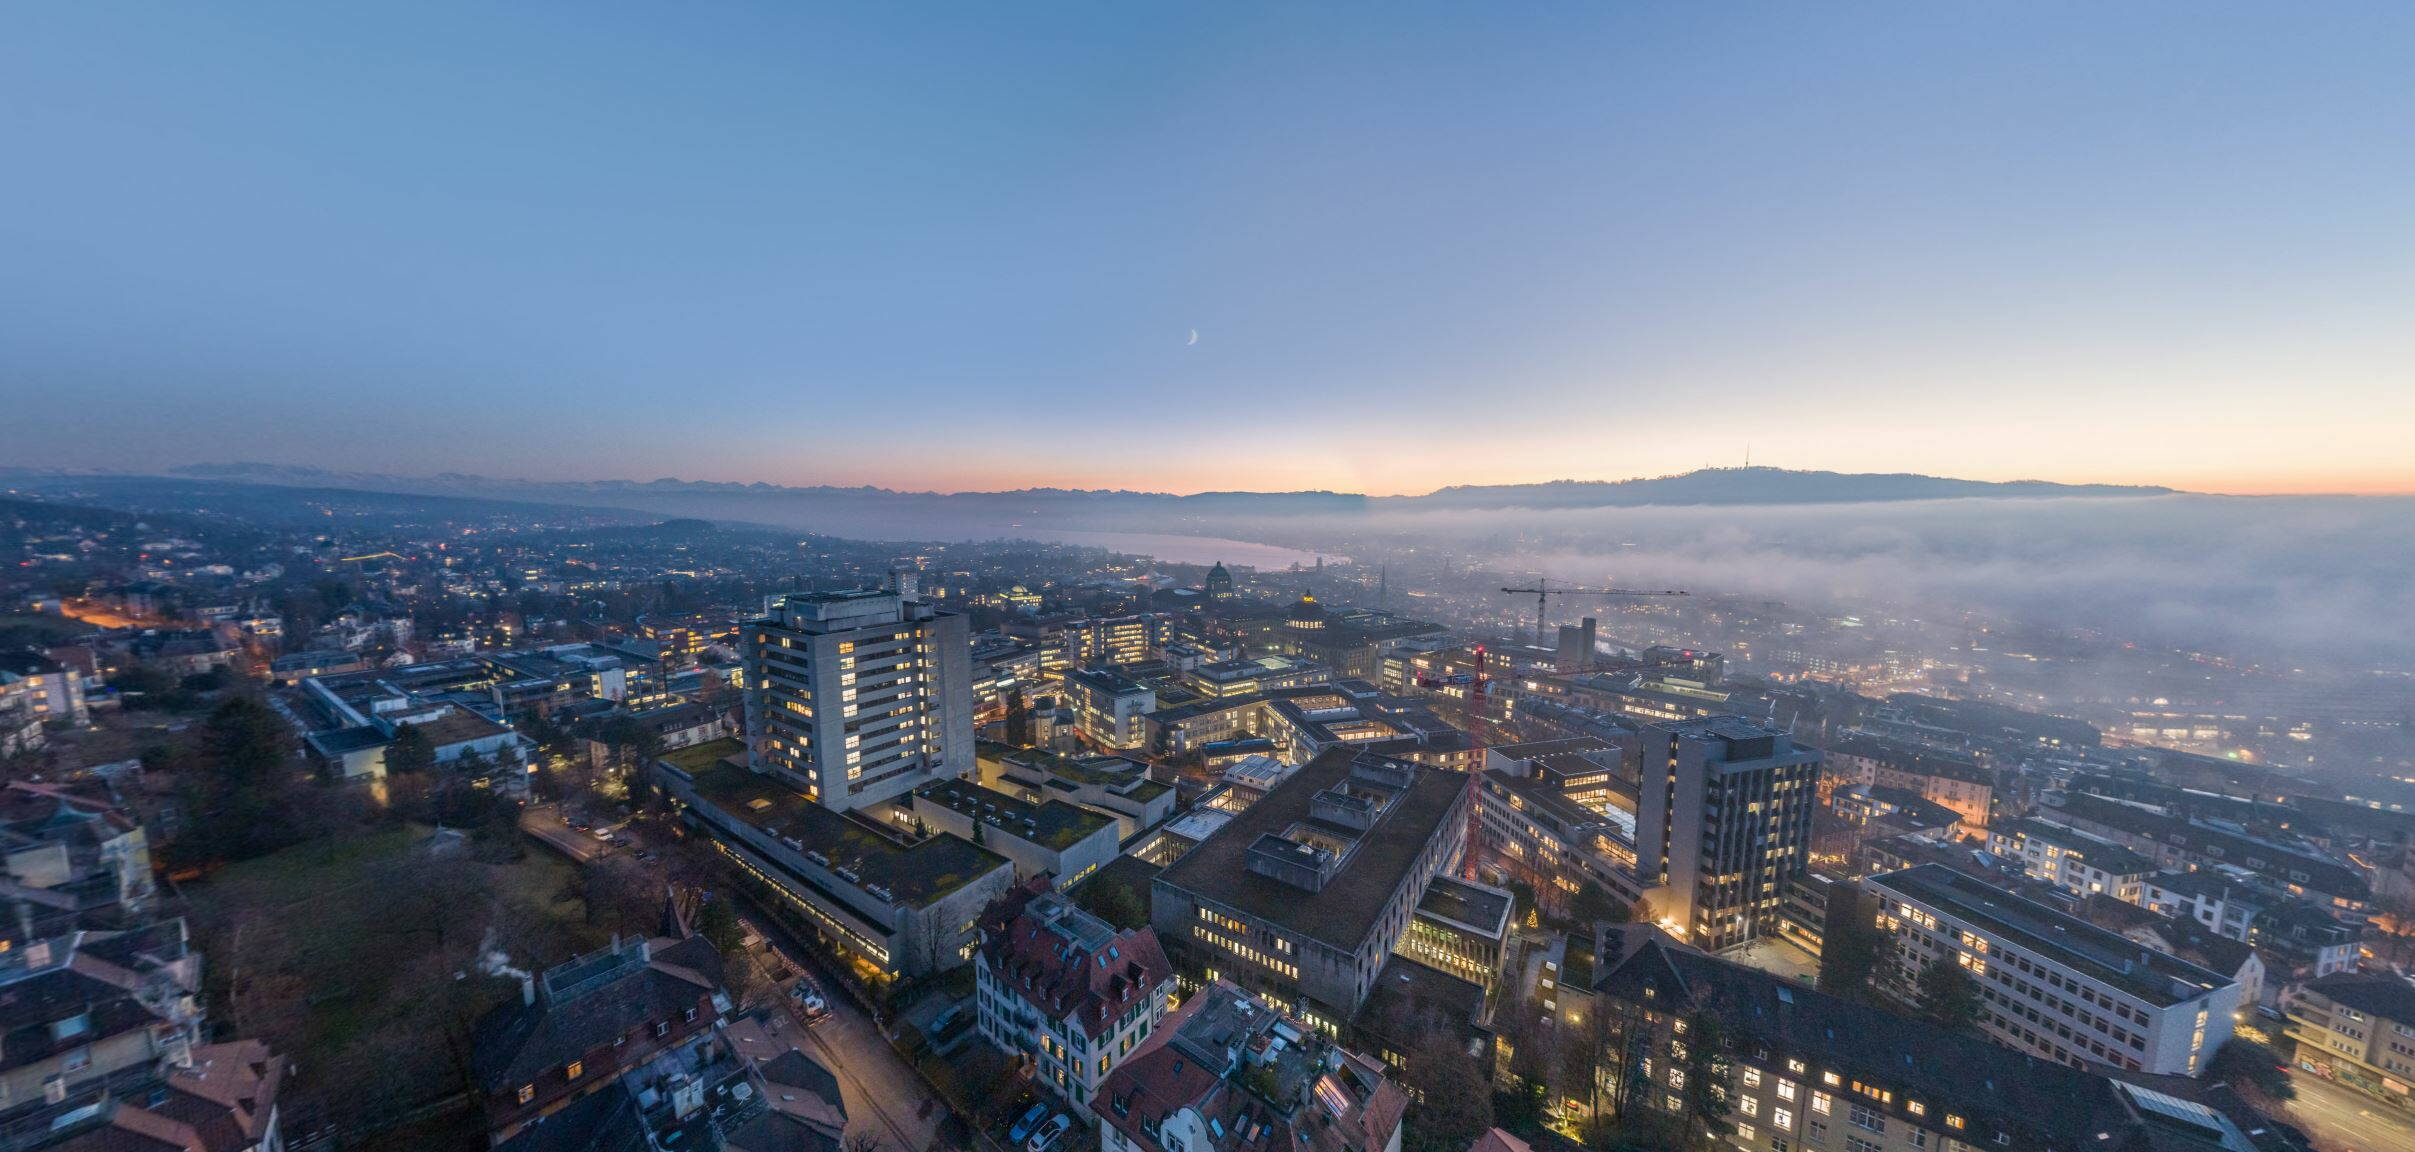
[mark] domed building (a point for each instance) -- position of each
(1307, 615)
(1219, 583)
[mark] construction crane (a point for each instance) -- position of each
(1543, 592)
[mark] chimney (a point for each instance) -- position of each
(528, 989)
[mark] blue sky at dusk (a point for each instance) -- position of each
(964, 246)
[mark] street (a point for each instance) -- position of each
(544, 821)
(2338, 1118)
(885, 1097)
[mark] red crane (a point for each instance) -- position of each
(1543, 592)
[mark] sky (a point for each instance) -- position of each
(953, 247)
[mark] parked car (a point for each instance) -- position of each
(1048, 1133)
(810, 1000)
(1028, 1123)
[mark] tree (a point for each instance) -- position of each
(1453, 1105)
(1018, 719)
(1114, 902)
(241, 792)
(1849, 950)
(410, 752)
(2252, 1069)
(1706, 1072)
(717, 922)
(1949, 997)
(1593, 905)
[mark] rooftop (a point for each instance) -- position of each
(2099, 853)
(2105, 956)
(1344, 910)
(1052, 824)
(915, 873)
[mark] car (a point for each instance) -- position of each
(1048, 1133)
(810, 1000)
(602, 834)
(581, 825)
(1025, 1124)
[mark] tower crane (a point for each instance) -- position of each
(1543, 592)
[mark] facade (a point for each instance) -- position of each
(1303, 894)
(1110, 785)
(1111, 707)
(1723, 820)
(1810, 1072)
(2073, 861)
(1065, 992)
(2178, 842)
(2358, 1027)
(1940, 777)
(2054, 985)
(1051, 838)
(856, 697)
(1229, 1072)
(887, 903)
(1528, 831)
(1461, 928)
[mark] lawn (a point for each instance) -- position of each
(358, 953)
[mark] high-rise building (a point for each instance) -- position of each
(1576, 646)
(1723, 821)
(855, 697)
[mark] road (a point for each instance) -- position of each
(2341, 1119)
(544, 821)
(885, 1096)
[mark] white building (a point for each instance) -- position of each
(2053, 985)
(855, 697)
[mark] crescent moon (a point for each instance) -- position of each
(1193, 340)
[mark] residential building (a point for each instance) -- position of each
(2358, 1027)
(855, 697)
(223, 1100)
(2052, 984)
(1064, 992)
(41, 687)
(887, 902)
(1230, 1072)
(2073, 861)
(1723, 820)
(1811, 1072)
(1941, 777)
(1303, 894)
(2339, 888)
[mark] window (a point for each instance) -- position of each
(1675, 1103)
(1954, 1122)
(1676, 1077)
(1857, 1144)
(1865, 1117)
(1744, 1134)
(572, 1071)
(1750, 1105)
(528, 1092)
(1819, 1103)
(1782, 1117)
(1815, 1132)
(1829, 1078)
(1916, 1108)
(1752, 1077)
(1786, 1089)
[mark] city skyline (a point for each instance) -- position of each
(1203, 249)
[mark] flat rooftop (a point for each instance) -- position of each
(2155, 977)
(2098, 852)
(1054, 824)
(915, 873)
(1484, 909)
(1345, 910)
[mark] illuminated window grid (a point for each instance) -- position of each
(1270, 963)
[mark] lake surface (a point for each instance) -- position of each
(1173, 548)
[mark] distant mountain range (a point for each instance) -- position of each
(882, 513)
(1722, 486)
